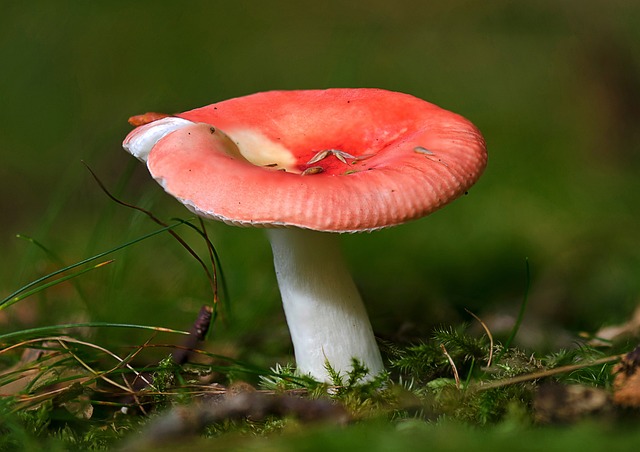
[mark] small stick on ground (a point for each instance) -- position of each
(185, 421)
(197, 333)
(483, 386)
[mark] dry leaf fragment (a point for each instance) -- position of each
(613, 333)
(626, 384)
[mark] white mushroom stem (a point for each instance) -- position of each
(325, 313)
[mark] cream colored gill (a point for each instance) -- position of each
(261, 151)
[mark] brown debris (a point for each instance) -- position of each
(563, 404)
(626, 384)
(197, 334)
(146, 118)
(614, 333)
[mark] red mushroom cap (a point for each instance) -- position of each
(330, 160)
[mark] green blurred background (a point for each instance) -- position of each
(553, 85)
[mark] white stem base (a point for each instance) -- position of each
(326, 317)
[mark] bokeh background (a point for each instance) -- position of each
(553, 85)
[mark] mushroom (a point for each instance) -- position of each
(307, 164)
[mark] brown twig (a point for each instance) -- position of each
(546, 373)
(197, 333)
(186, 421)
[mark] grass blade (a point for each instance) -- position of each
(47, 329)
(211, 274)
(44, 286)
(523, 308)
(85, 261)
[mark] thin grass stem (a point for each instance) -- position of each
(523, 308)
(85, 261)
(52, 283)
(47, 329)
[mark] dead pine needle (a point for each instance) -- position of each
(453, 365)
(489, 335)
